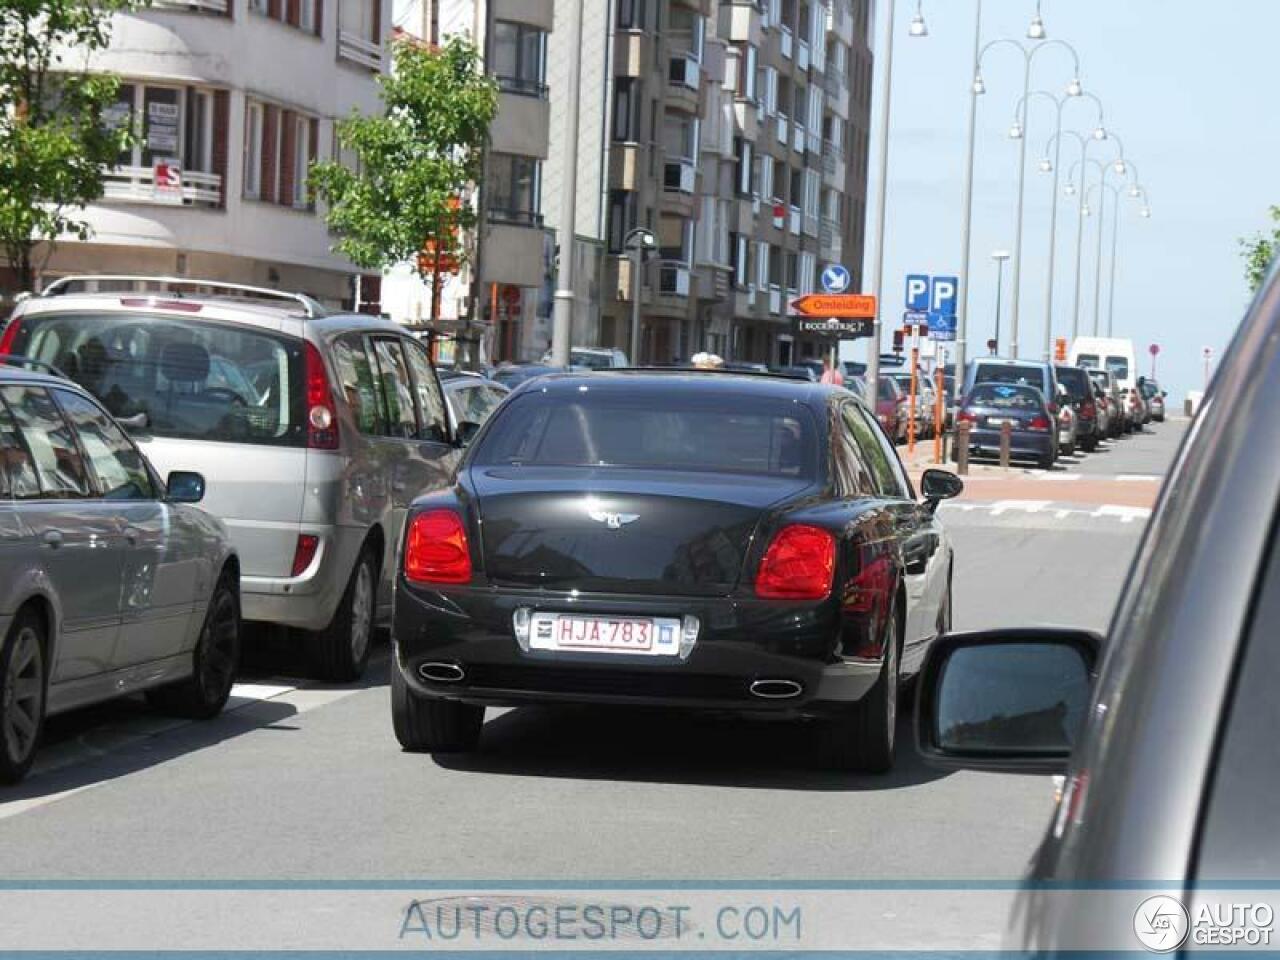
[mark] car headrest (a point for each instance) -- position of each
(184, 363)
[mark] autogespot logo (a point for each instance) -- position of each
(1161, 924)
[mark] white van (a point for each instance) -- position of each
(1107, 353)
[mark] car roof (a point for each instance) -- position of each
(283, 317)
(13, 375)
(683, 380)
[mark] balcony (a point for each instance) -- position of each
(834, 80)
(782, 123)
(686, 71)
(515, 218)
(680, 176)
(815, 142)
(357, 49)
(138, 185)
(787, 42)
(798, 136)
(775, 300)
(831, 239)
(802, 56)
(794, 218)
(219, 7)
(810, 226)
(521, 87)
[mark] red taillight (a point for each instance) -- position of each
(964, 416)
(1088, 410)
(322, 415)
(304, 553)
(1039, 424)
(798, 565)
(10, 335)
(436, 550)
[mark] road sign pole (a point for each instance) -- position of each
(939, 409)
(911, 418)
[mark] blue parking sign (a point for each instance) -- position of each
(942, 326)
(918, 292)
(942, 295)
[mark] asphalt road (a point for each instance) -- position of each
(306, 783)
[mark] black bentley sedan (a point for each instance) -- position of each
(687, 539)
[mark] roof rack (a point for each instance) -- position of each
(16, 360)
(312, 307)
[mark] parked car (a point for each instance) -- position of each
(512, 375)
(745, 366)
(592, 358)
(1042, 376)
(111, 582)
(802, 372)
(924, 408)
(749, 544)
(312, 470)
(470, 399)
(989, 406)
(1080, 395)
(889, 409)
(1113, 354)
(1166, 741)
(1155, 398)
(1068, 425)
(1102, 404)
(1116, 406)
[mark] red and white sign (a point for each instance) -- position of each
(1154, 349)
(166, 182)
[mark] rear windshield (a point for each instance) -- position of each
(723, 434)
(1076, 381)
(1119, 367)
(1009, 373)
(593, 361)
(193, 379)
(1006, 396)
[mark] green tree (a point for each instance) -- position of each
(1259, 250)
(55, 147)
(415, 162)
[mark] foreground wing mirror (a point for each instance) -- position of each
(1013, 701)
(184, 486)
(939, 485)
(465, 433)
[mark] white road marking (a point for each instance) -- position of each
(1050, 475)
(1139, 478)
(1026, 506)
(1125, 514)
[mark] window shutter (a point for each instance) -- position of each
(319, 17)
(270, 152)
(274, 10)
(377, 21)
(288, 151)
(293, 12)
(313, 153)
(221, 131)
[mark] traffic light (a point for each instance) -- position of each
(897, 341)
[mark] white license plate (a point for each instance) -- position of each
(574, 633)
(998, 421)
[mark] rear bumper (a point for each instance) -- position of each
(739, 641)
(307, 602)
(1023, 445)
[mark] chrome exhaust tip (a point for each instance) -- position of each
(441, 672)
(776, 689)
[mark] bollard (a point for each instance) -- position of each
(1006, 442)
(962, 447)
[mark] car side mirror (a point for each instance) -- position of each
(939, 485)
(1013, 701)
(465, 433)
(183, 486)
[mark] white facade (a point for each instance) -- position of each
(239, 96)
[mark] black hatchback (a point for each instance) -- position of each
(684, 539)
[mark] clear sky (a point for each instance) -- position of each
(1189, 87)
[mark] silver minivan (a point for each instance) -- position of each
(315, 430)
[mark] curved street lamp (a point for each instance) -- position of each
(1018, 132)
(1083, 163)
(1051, 166)
(638, 242)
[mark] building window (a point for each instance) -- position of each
(743, 154)
(626, 110)
(634, 14)
(515, 189)
(303, 151)
(253, 127)
(622, 219)
(303, 14)
(360, 32)
(740, 251)
(519, 58)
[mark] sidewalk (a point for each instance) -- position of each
(988, 481)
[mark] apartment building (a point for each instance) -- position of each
(736, 132)
(234, 98)
(500, 298)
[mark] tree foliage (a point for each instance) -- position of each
(413, 163)
(54, 145)
(1260, 250)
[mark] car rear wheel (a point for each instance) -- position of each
(216, 659)
(425, 725)
(1046, 463)
(22, 695)
(342, 648)
(862, 741)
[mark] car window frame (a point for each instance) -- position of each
(374, 340)
(349, 341)
(94, 477)
(92, 492)
(409, 345)
(865, 484)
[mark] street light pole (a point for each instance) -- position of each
(1138, 191)
(999, 256)
(562, 331)
(1082, 163)
(877, 262)
(637, 242)
(1119, 167)
(962, 294)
